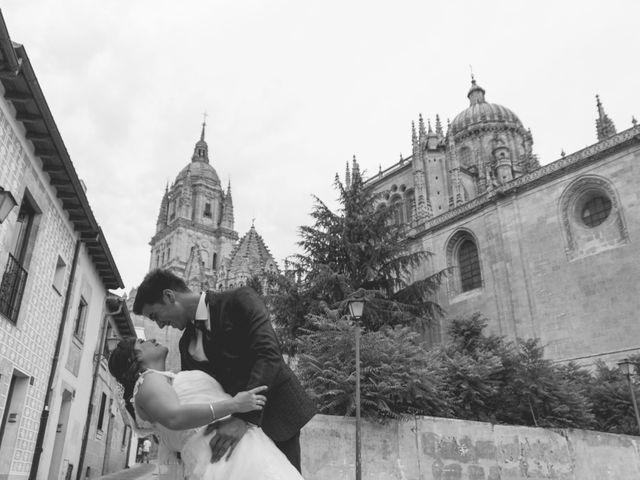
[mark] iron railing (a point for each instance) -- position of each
(12, 288)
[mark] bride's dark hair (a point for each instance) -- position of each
(125, 368)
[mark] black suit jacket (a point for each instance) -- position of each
(243, 353)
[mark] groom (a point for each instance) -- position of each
(229, 336)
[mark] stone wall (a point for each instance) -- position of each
(544, 273)
(427, 448)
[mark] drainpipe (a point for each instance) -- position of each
(54, 366)
(94, 380)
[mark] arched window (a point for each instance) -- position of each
(410, 205)
(464, 260)
(469, 266)
(592, 217)
(398, 209)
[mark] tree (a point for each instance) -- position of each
(510, 382)
(608, 391)
(357, 250)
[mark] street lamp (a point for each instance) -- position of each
(625, 368)
(112, 342)
(356, 308)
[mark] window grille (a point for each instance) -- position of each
(80, 322)
(469, 264)
(596, 211)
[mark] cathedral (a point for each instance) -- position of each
(551, 251)
(196, 240)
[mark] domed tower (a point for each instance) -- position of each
(194, 230)
(196, 240)
(487, 145)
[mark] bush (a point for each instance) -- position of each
(472, 376)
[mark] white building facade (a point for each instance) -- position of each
(55, 273)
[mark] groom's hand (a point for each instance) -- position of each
(228, 434)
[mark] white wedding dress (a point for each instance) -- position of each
(255, 457)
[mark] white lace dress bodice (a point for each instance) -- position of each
(255, 458)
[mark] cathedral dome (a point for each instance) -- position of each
(199, 170)
(480, 112)
(200, 166)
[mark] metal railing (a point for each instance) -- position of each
(12, 288)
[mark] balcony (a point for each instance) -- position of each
(12, 288)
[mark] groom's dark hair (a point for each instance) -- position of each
(151, 288)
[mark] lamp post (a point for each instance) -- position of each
(356, 307)
(111, 343)
(625, 367)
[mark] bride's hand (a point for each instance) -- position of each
(250, 400)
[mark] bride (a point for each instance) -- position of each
(177, 406)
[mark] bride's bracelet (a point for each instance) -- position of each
(213, 412)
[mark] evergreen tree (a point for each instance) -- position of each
(357, 251)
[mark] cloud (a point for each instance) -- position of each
(294, 89)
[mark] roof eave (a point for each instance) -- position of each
(20, 82)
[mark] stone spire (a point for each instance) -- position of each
(347, 176)
(250, 257)
(439, 127)
(186, 195)
(355, 170)
(414, 137)
(421, 130)
(604, 126)
(164, 210)
(227, 210)
(432, 137)
(201, 150)
(417, 165)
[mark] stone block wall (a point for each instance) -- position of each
(428, 448)
(546, 275)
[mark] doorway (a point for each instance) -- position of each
(61, 433)
(11, 418)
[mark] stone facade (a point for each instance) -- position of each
(194, 232)
(55, 272)
(542, 252)
(429, 448)
(250, 257)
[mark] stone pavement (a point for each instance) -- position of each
(140, 471)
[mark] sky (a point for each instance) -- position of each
(293, 89)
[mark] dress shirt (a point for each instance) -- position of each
(196, 348)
